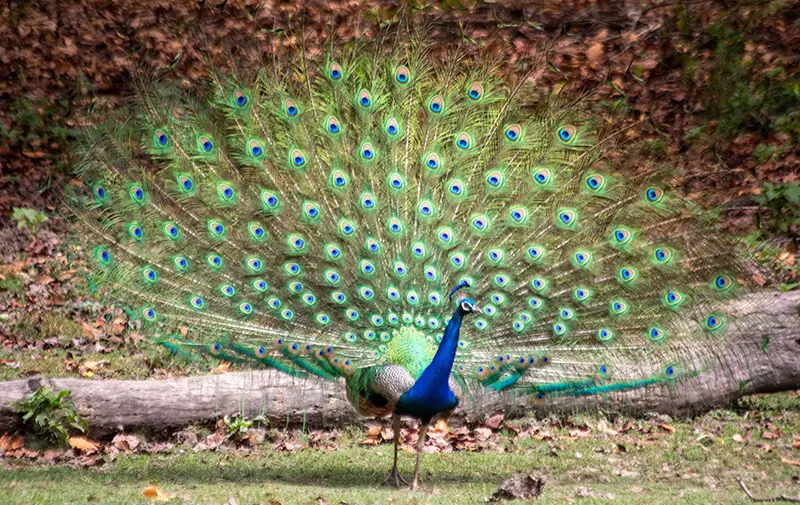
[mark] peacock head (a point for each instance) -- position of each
(467, 306)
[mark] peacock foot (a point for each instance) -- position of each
(394, 479)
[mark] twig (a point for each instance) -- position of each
(762, 500)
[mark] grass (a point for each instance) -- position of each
(645, 465)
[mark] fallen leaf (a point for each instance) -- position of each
(127, 443)
(666, 427)
(769, 435)
(796, 442)
(495, 421)
(790, 461)
(83, 444)
(737, 438)
(153, 493)
(374, 431)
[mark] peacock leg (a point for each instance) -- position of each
(423, 431)
(394, 478)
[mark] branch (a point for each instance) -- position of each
(763, 500)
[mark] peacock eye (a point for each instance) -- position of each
(566, 134)
(475, 92)
(402, 74)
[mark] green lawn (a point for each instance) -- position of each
(697, 464)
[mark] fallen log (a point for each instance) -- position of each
(751, 363)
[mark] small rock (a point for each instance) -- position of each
(519, 487)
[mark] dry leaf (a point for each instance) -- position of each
(737, 438)
(666, 427)
(790, 461)
(153, 493)
(374, 431)
(796, 442)
(595, 52)
(127, 443)
(495, 421)
(440, 427)
(83, 444)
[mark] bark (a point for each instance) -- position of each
(753, 361)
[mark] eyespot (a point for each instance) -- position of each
(332, 125)
(559, 329)
(714, 322)
(655, 334)
(566, 314)
(291, 108)
(102, 254)
(364, 99)
(260, 285)
(436, 104)
(542, 176)
(662, 255)
(197, 302)
(391, 127)
(137, 193)
(225, 192)
(392, 294)
(367, 201)
(275, 304)
(149, 313)
(604, 372)
(309, 299)
(539, 284)
(292, 268)
(534, 253)
(446, 236)
(566, 218)
(475, 91)
(287, 314)
(722, 283)
(204, 144)
(150, 275)
(617, 307)
(297, 243)
(425, 208)
(171, 231)
(412, 297)
(135, 231)
(395, 226)
(335, 71)
(181, 263)
(255, 264)
(418, 250)
(402, 75)
(161, 139)
(215, 261)
(367, 151)
(581, 258)
(333, 252)
(456, 188)
(463, 141)
(185, 183)
(621, 236)
(431, 274)
(352, 314)
(245, 308)
(513, 133)
(495, 179)
(518, 215)
(480, 223)
(367, 267)
(372, 246)
(627, 275)
(396, 181)
(605, 335)
(495, 256)
(269, 200)
(671, 372)
(339, 179)
(595, 183)
(240, 99)
(400, 269)
(653, 195)
(216, 228)
(458, 260)
(255, 149)
(311, 211)
(432, 162)
(673, 299)
(297, 158)
(566, 134)
(581, 294)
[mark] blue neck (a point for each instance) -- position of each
(438, 372)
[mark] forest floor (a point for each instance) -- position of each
(584, 459)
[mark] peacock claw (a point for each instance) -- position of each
(394, 479)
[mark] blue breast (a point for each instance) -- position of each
(425, 400)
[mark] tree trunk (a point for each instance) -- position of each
(748, 363)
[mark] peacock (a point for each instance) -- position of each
(408, 221)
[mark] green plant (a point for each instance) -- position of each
(28, 218)
(783, 203)
(237, 426)
(52, 415)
